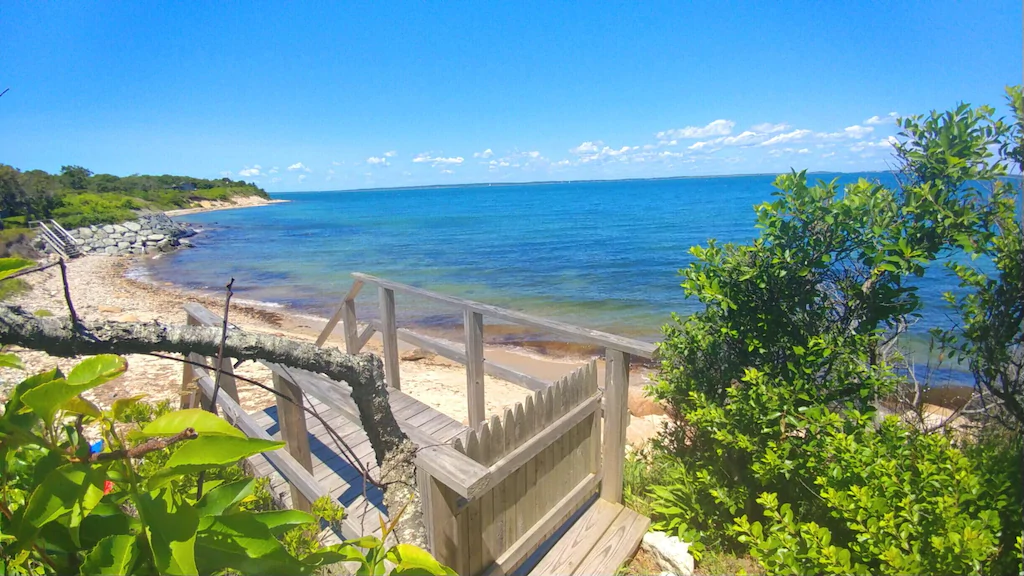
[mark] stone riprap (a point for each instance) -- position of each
(148, 235)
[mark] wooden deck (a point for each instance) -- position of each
(344, 482)
(599, 542)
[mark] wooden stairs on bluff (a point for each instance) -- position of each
(535, 490)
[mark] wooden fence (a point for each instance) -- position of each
(544, 461)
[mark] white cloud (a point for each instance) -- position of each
(857, 131)
(803, 151)
(273, 170)
(586, 147)
(377, 161)
(298, 166)
(794, 136)
(250, 172)
(275, 180)
(829, 155)
(446, 171)
(485, 154)
(561, 163)
(336, 163)
(302, 177)
(715, 128)
(889, 118)
(330, 170)
(391, 154)
(226, 174)
(426, 157)
(885, 143)
(769, 128)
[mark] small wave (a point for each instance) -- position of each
(259, 303)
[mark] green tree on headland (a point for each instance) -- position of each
(77, 197)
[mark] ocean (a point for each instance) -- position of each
(603, 255)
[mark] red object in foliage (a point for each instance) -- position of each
(107, 487)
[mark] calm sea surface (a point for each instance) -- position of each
(604, 255)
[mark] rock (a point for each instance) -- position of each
(116, 236)
(145, 231)
(99, 234)
(124, 245)
(185, 243)
(110, 250)
(110, 309)
(84, 233)
(415, 354)
(642, 430)
(155, 237)
(152, 250)
(640, 404)
(87, 248)
(129, 317)
(165, 246)
(133, 226)
(120, 229)
(108, 229)
(671, 554)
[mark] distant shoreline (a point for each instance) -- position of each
(214, 205)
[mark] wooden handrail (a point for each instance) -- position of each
(628, 345)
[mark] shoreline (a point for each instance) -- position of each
(105, 288)
(216, 205)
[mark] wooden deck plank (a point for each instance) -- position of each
(617, 544)
(574, 546)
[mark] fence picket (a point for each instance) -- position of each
(498, 493)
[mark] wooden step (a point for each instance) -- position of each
(599, 542)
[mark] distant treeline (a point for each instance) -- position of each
(77, 197)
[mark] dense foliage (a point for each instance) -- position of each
(777, 448)
(77, 197)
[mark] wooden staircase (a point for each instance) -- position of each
(58, 239)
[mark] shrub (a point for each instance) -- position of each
(89, 209)
(774, 382)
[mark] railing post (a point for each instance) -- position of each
(292, 420)
(348, 319)
(390, 337)
(616, 390)
(474, 325)
(189, 390)
(227, 378)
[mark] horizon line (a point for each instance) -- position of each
(543, 182)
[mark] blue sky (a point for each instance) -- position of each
(325, 96)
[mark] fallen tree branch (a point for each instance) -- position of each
(363, 373)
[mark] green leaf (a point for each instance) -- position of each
(210, 452)
(48, 397)
(219, 499)
(11, 361)
(10, 266)
(112, 555)
(334, 554)
(409, 559)
(243, 544)
(72, 489)
(171, 526)
(122, 404)
(79, 405)
(203, 422)
(96, 370)
(281, 521)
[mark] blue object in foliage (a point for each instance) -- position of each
(96, 447)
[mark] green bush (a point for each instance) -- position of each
(89, 209)
(773, 384)
(67, 510)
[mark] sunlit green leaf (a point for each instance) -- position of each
(203, 422)
(11, 361)
(171, 526)
(217, 500)
(113, 555)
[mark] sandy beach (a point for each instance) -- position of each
(103, 288)
(214, 205)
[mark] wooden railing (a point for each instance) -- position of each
(618, 351)
(489, 500)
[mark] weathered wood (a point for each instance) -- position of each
(529, 513)
(617, 544)
(474, 536)
(453, 352)
(542, 439)
(511, 498)
(227, 379)
(517, 552)
(189, 395)
(498, 493)
(389, 334)
(578, 541)
(293, 430)
(616, 389)
(347, 305)
(629, 345)
(474, 328)
(423, 486)
(364, 336)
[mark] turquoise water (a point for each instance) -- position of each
(599, 254)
